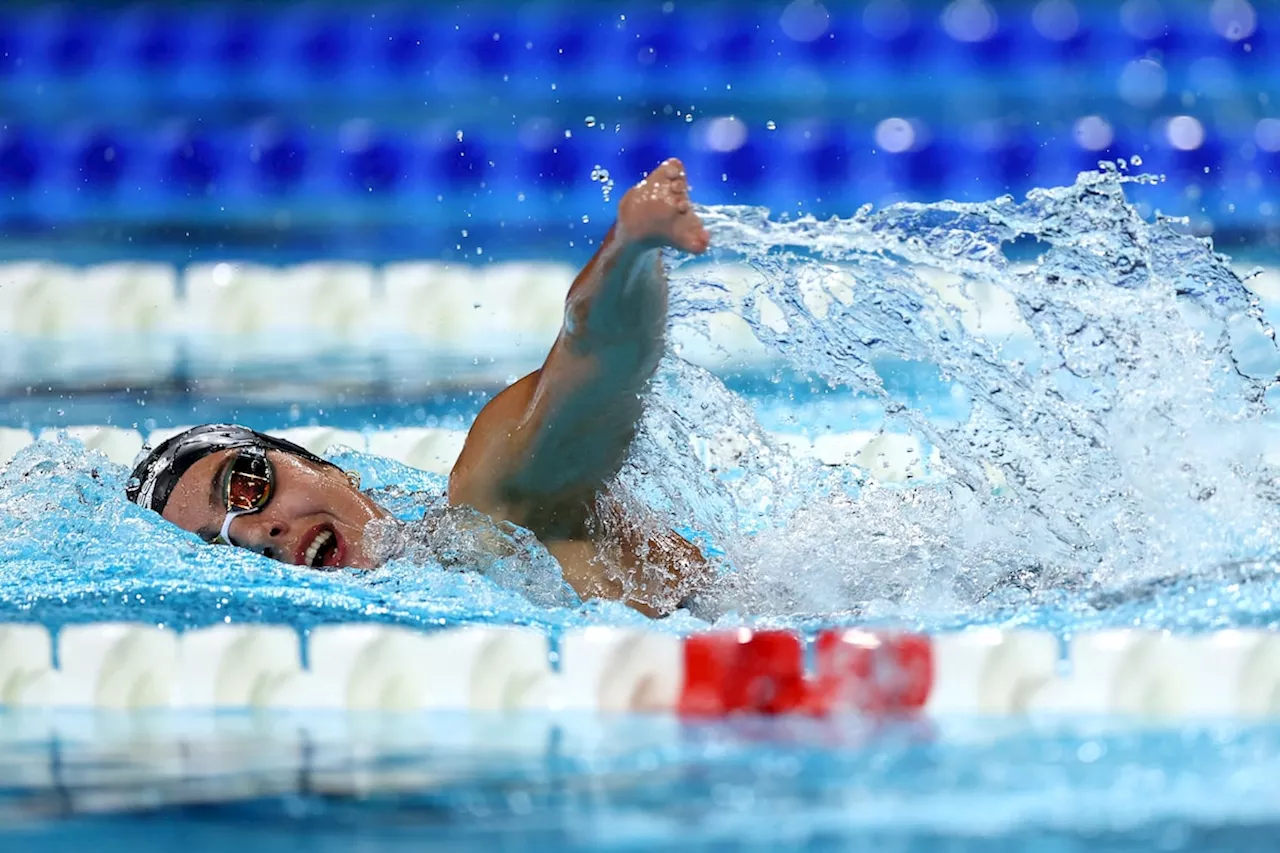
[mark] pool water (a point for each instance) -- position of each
(1099, 460)
(441, 782)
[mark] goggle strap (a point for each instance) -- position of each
(225, 533)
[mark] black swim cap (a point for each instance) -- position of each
(154, 478)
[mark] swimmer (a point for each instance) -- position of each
(540, 454)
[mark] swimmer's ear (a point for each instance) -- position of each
(354, 478)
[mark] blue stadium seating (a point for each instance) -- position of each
(239, 110)
(20, 159)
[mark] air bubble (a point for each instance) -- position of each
(771, 125)
(590, 121)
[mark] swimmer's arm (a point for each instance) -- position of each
(539, 451)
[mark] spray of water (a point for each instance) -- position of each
(1116, 424)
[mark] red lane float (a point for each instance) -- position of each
(762, 672)
(743, 671)
(873, 672)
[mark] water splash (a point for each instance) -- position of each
(1115, 435)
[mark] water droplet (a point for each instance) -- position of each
(585, 218)
(1135, 160)
(688, 118)
(591, 121)
(771, 125)
(459, 134)
(600, 175)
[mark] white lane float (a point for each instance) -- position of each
(160, 435)
(386, 668)
(234, 666)
(988, 671)
(320, 439)
(1128, 672)
(887, 457)
(426, 448)
(620, 670)
(12, 440)
(26, 655)
(1232, 673)
(108, 666)
(607, 670)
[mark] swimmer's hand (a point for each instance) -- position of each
(541, 450)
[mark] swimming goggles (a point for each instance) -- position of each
(247, 485)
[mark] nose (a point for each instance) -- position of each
(263, 532)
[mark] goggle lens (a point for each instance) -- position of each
(249, 483)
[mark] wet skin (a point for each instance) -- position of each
(307, 499)
(541, 453)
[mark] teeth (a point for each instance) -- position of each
(321, 538)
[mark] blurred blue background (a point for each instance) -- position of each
(383, 130)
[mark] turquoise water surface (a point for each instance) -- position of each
(1098, 462)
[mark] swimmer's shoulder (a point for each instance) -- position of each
(493, 451)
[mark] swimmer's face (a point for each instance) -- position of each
(307, 500)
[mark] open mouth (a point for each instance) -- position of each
(323, 551)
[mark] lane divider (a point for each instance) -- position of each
(383, 668)
(449, 306)
(887, 457)
(140, 316)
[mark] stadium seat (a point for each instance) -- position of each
(20, 159)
